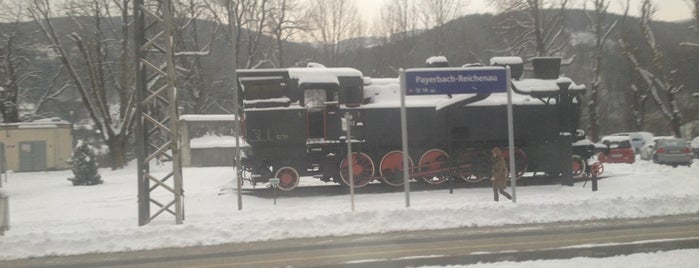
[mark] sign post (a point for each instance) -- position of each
(274, 182)
(350, 165)
(511, 138)
(404, 137)
(447, 81)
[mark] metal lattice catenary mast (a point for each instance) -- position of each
(157, 135)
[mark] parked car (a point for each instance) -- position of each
(695, 146)
(673, 152)
(638, 139)
(619, 150)
(648, 149)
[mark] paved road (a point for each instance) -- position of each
(400, 249)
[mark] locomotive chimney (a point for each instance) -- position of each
(546, 67)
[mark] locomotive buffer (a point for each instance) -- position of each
(447, 81)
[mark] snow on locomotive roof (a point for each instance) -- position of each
(542, 85)
(207, 117)
(505, 60)
(269, 100)
(435, 59)
(322, 75)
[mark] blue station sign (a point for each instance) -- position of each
(442, 81)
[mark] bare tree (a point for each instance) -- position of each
(283, 24)
(398, 19)
(601, 30)
(655, 78)
(639, 95)
(436, 13)
(695, 11)
(530, 30)
(16, 74)
(330, 22)
(112, 120)
(11, 77)
(398, 25)
(198, 86)
(243, 16)
(227, 14)
(258, 16)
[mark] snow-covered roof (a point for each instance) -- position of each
(564, 79)
(207, 117)
(505, 60)
(53, 122)
(616, 138)
(436, 59)
(322, 75)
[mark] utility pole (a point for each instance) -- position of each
(157, 131)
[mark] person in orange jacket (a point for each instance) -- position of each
(499, 174)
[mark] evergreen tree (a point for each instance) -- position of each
(84, 165)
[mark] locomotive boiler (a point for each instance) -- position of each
(294, 123)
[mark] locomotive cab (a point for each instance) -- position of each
(293, 120)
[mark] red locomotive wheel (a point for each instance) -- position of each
(362, 169)
(392, 168)
(474, 165)
(520, 161)
(434, 159)
(597, 169)
(578, 166)
(288, 178)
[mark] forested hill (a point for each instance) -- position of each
(469, 39)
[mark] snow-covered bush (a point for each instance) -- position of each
(84, 165)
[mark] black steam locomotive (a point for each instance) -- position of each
(295, 124)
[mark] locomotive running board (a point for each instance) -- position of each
(461, 101)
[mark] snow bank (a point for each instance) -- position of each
(214, 141)
(50, 217)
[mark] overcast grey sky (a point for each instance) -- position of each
(668, 10)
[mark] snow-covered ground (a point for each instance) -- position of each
(684, 258)
(49, 216)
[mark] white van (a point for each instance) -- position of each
(638, 139)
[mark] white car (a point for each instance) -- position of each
(638, 139)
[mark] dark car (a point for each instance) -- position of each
(673, 152)
(619, 150)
